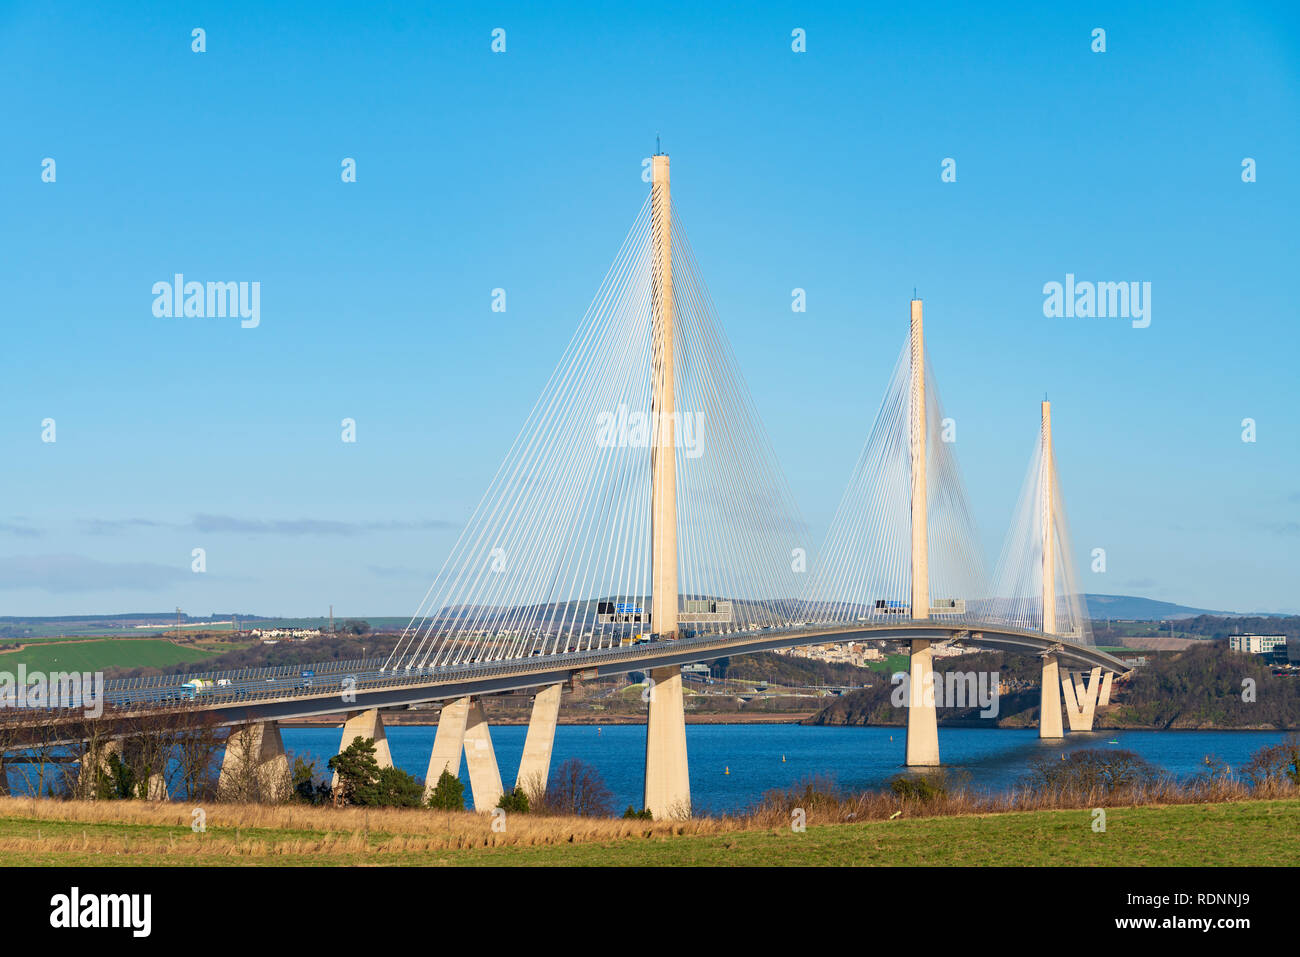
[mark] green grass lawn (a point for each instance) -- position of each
(100, 654)
(891, 665)
(1260, 833)
(1255, 833)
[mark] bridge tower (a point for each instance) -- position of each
(667, 778)
(1049, 710)
(922, 720)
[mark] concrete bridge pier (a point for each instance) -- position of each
(463, 729)
(1049, 703)
(922, 718)
(484, 776)
(535, 767)
(97, 759)
(448, 743)
(365, 724)
(1081, 698)
(254, 766)
(667, 774)
(1103, 696)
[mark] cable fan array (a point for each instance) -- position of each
(1018, 581)
(557, 555)
(864, 572)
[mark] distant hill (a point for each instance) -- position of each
(1132, 608)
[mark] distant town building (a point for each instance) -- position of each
(268, 635)
(1256, 644)
(856, 653)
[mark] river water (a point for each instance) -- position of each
(733, 764)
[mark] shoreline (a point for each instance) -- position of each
(400, 719)
(429, 721)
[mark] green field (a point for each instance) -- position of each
(891, 665)
(96, 655)
(1254, 833)
(1262, 833)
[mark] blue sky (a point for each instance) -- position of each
(522, 170)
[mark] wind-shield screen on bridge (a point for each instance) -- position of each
(557, 556)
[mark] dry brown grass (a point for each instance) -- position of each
(255, 830)
(146, 832)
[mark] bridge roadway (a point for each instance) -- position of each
(282, 693)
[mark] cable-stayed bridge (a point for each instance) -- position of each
(640, 521)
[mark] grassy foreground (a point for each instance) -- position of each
(34, 833)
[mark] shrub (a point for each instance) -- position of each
(1092, 771)
(448, 794)
(919, 787)
(577, 790)
(514, 802)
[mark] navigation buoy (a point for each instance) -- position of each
(726, 770)
(783, 759)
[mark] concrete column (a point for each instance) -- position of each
(922, 719)
(535, 767)
(1093, 693)
(154, 791)
(1080, 689)
(1103, 697)
(92, 762)
(366, 724)
(1049, 705)
(157, 790)
(484, 777)
(667, 774)
(448, 743)
(1047, 517)
(1081, 699)
(663, 519)
(260, 746)
(917, 428)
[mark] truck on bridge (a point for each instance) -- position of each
(195, 687)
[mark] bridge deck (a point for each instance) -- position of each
(283, 692)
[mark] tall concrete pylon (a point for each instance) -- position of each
(922, 719)
(1048, 519)
(663, 525)
(1049, 705)
(667, 775)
